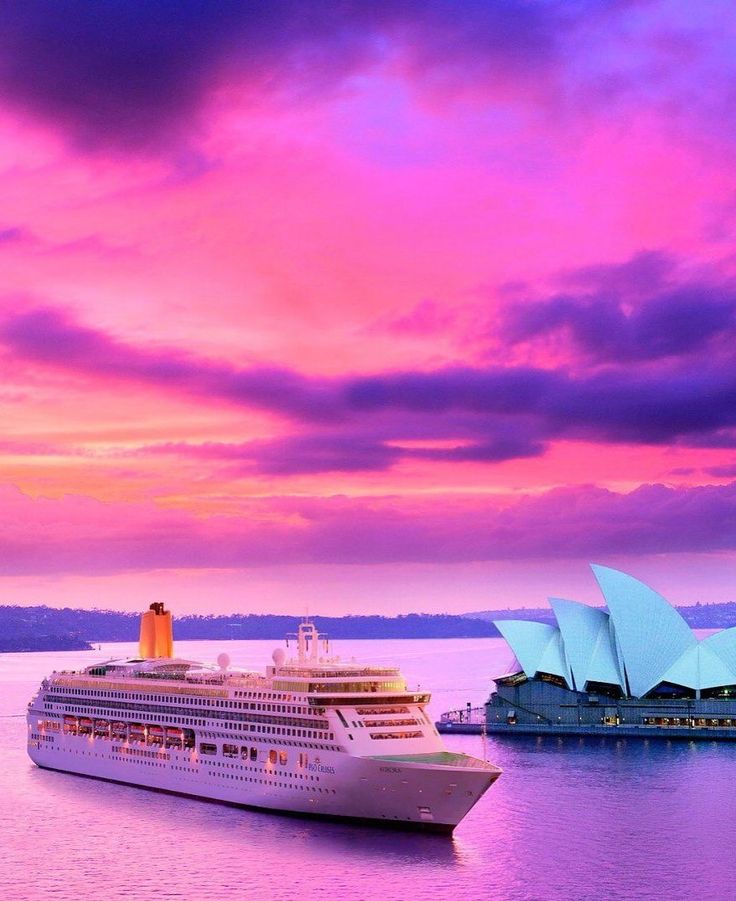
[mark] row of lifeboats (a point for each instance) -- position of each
(144, 733)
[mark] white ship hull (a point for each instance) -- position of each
(417, 794)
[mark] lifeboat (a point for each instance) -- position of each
(174, 737)
(119, 730)
(155, 735)
(102, 729)
(85, 725)
(137, 732)
(70, 725)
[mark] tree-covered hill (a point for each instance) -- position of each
(697, 616)
(42, 628)
(49, 628)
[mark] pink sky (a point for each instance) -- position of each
(383, 308)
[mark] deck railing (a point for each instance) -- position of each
(472, 715)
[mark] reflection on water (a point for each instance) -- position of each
(219, 821)
(571, 818)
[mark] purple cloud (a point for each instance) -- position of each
(355, 422)
(129, 75)
(727, 471)
(647, 272)
(81, 535)
(636, 311)
(132, 76)
(347, 451)
(291, 455)
(11, 234)
(49, 336)
(614, 405)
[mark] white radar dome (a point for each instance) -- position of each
(223, 661)
(278, 657)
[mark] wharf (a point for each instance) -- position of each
(621, 731)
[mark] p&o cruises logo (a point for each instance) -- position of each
(317, 767)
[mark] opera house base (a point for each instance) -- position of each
(670, 733)
(539, 707)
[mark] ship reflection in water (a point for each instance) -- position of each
(571, 818)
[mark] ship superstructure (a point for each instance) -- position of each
(312, 735)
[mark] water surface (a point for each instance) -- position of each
(569, 819)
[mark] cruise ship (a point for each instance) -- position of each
(312, 735)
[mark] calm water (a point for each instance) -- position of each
(569, 818)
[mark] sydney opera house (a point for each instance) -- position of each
(635, 667)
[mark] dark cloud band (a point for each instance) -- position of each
(358, 422)
(132, 74)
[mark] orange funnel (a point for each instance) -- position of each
(157, 634)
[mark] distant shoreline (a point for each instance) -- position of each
(44, 643)
(42, 628)
(49, 628)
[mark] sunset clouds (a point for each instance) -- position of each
(365, 285)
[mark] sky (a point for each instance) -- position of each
(361, 307)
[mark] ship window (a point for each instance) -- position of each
(254, 753)
(206, 748)
(388, 735)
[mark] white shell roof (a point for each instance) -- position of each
(553, 660)
(723, 644)
(699, 667)
(640, 643)
(605, 664)
(650, 632)
(537, 646)
(588, 643)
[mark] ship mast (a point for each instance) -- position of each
(307, 643)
